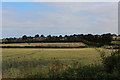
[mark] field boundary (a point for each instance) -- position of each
(40, 47)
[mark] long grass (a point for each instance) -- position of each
(15, 61)
(36, 63)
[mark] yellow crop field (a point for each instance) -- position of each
(77, 44)
(32, 60)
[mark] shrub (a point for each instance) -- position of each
(112, 62)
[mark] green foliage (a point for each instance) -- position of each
(112, 63)
(115, 42)
(94, 40)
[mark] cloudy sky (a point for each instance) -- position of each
(55, 18)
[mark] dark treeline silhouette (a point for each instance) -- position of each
(86, 38)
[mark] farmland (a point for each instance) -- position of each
(44, 60)
(17, 60)
(115, 42)
(67, 45)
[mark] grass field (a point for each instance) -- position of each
(18, 60)
(115, 42)
(46, 44)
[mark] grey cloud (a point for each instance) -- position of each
(105, 21)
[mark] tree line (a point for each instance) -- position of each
(87, 38)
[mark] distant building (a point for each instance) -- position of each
(39, 38)
(116, 37)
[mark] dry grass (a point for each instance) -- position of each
(46, 44)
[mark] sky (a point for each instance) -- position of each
(58, 18)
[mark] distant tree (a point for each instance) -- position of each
(106, 38)
(66, 36)
(14, 38)
(42, 36)
(75, 35)
(60, 36)
(36, 35)
(113, 34)
(24, 37)
(49, 36)
(7, 38)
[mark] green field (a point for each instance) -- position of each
(115, 42)
(18, 60)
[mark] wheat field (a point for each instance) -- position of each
(77, 44)
(32, 60)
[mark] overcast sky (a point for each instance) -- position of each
(58, 18)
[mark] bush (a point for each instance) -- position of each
(112, 63)
(109, 70)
